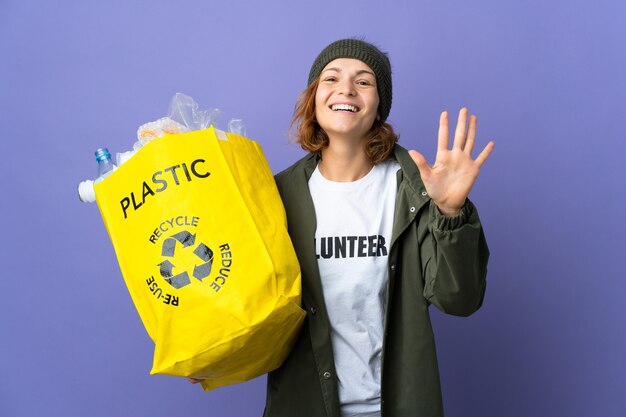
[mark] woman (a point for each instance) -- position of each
(380, 236)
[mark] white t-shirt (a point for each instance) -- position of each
(352, 242)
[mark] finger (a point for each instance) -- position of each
(482, 157)
(421, 163)
(442, 142)
(461, 128)
(471, 135)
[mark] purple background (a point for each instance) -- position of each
(546, 79)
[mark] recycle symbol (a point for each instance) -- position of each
(202, 251)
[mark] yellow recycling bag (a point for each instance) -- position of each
(200, 235)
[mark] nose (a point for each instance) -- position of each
(347, 88)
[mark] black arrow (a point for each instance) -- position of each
(184, 237)
(202, 271)
(203, 252)
(169, 244)
(179, 280)
(166, 268)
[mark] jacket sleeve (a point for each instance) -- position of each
(454, 257)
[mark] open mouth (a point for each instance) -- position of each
(344, 107)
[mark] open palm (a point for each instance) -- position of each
(450, 179)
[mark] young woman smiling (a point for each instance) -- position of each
(380, 235)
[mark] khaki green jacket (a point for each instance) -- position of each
(432, 260)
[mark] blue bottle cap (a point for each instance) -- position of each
(102, 154)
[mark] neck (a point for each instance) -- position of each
(342, 162)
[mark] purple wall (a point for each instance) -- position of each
(547, 80)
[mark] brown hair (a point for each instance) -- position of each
(312, 138)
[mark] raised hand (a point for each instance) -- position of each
(449, 181)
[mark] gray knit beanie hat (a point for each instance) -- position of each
(365, 52)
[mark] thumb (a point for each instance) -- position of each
(421, 163)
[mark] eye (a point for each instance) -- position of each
(330, 79)
(364, 83)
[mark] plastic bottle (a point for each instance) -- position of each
(86, 192)
(105, 163)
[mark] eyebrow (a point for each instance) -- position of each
(359, 72)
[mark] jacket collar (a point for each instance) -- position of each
(410, 172)
(400, 154)
(411, 196)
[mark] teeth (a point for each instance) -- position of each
(345, 107)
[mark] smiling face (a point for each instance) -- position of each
(346, 100)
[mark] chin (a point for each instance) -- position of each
(344, 130)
